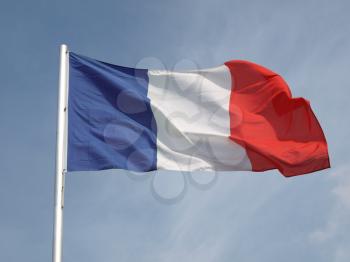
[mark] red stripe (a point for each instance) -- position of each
(277, 131)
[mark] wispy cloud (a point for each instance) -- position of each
(335, 231)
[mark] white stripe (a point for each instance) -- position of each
(193, 123)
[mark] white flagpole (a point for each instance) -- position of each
(61, 155)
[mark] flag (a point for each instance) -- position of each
(237, 116)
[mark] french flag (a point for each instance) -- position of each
(238, 116)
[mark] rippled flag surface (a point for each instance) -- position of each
(238, 116)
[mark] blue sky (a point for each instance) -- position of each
(113, 216)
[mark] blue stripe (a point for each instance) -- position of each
(110, 121)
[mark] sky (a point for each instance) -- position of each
(119, 216)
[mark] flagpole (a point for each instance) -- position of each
(61, 155)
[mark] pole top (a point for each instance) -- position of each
(64, 48)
